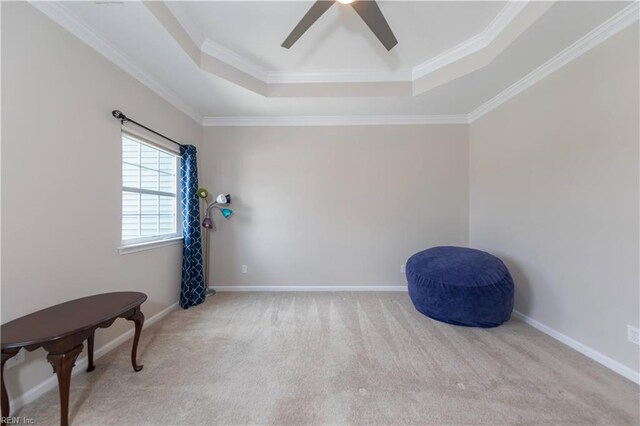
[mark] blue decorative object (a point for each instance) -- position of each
(460, 286)
(192, 290)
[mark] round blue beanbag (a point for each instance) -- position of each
(460, 286)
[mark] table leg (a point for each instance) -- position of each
(138, 318)
(62, 364)
(6, 355)
(91, 366)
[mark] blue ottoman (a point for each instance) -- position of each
(460, 286)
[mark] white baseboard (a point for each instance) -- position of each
(52, 382)
(611, 364)
(240, 288)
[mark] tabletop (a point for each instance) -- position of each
(67, 318)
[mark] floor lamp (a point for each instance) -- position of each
(209, 226)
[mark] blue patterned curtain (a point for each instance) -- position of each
(192, 290)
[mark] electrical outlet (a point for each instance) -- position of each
(244, 269)
(18, 359)
(633, 334)
(402, 269)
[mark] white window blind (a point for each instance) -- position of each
(149, 192)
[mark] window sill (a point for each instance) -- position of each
(134, 248)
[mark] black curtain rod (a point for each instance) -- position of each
(120, 116)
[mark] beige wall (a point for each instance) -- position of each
(333, 205)
(554, 191)
(61, 184)
(552, 188)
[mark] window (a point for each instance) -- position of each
(149, 192)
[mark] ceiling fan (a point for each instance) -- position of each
(368, 10)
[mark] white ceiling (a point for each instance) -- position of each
(135, 36)
(339, 40)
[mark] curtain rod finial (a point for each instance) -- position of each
(120, 116)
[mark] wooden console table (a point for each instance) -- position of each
(61, 329)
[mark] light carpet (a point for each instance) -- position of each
(340, 358)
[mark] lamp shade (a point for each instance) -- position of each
(226, 213)
(206, 223)
(223, 199)
(203, 193)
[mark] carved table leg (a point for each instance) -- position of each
(6, 355)
(91, 366)
(138, 318)
(62, 364)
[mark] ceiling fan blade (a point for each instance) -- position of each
(371, 14)
(312, 15)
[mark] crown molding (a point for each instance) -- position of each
(364, 76)
(363, 120)
(68, 20)
(610, 27)
(607, 29)
(473, 44)
(233, 59)
(478, 42)
(65, 18)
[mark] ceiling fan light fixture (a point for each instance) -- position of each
(345, 1)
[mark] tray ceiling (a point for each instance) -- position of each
(166, 48)
(339, 40)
